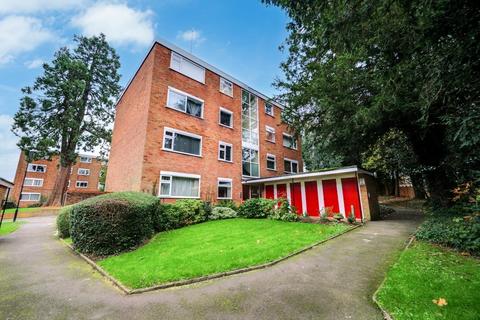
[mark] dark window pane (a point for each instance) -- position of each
(228, 153)
(225, 119)
(246, 168)
(294, 167)
(187, 144)
(194, 107)
(287, 165)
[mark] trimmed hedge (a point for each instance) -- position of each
(179, 214)
(222, 213)
(63, 222)
(257, 208)
(112, 223)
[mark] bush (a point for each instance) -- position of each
(222, 213)
(459, 232)
(284, 212)
(351, 218)
(227, 203)
(35, 205)
(385, 211)
(10, 205)
(112, 223)
(179, 214)
(256, 208)
(63, 222)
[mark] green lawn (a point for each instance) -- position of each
(8, 227)
(12, 210)
(425, 273)
(213, 247)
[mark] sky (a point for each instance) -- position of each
(240, 37)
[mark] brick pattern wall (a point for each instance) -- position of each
(369, 197)
(154, 159)
(50, 175)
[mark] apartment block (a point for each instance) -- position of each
(184, 129)
(41, 174)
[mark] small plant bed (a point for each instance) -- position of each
(429, 282)
(213, 247)
(9, 227)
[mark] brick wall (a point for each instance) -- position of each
(369, 197)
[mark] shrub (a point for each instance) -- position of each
(351, 218)
(179, 214)
(112, 223)
(35, 205)
(227, 203)
(256, 208)
(222, 213)
(338, 216)
(385, 211)
(10, 205)
(459, 232)
(63, 222)
(324, 216)
(284, 212)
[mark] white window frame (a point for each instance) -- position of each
(258, 163)
(85, 159)
(187, 95)
(271, 130)
(81, 181)
(293, 138)
(273, 109)
(188, 134)
(87, 172)
(227, 81)
(31, 165)
(231, 188)
(33, 184)
(30, 194)
(274, 162)
(225, 144)
(291, 161)
(182, 59)
(181, 175)
(220, 117)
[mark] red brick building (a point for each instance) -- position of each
(184, 129)
(40, 178)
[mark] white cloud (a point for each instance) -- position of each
(33, 6)
(192, 35)
(20, 34)
(33, 64)
(9, 151)
(120, 23)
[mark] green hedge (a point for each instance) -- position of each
(257, 208)
(112, 223)
(63, 222)
(179, 214)
(222, 213)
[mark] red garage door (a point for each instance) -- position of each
(269, 192)
(281, 191)
(330, 195)
(311, 194)
(351, 197)
(296, 196)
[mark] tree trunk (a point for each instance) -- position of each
(396, 181)
(57, 197)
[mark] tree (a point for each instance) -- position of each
(70, 106)
(357, 69)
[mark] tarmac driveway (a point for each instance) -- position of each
(41, 279)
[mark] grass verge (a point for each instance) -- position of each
(213, 247)
(9, 227)
(425, 278)
(12, 210)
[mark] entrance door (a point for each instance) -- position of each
(351, 197)
(330, 195)
(269, 192)
(296, 195)
(311, 193)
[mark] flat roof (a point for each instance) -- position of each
(312, 174)
(204, 64)
(6, 183)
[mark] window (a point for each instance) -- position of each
(85, 159)
(185, 103)
(82, 184)
(291, 166)
(270, 134)
(187, 67)
(250, 162)
(271, 162)
(224, 188)
(289, 141)
(36, 168)
(182, 142)
(31, 182)
(224, 151)
(226, 118)
(30, 196)
(226, 87)
(269, 108)
(83, 172)
(68, 184)
(249, 119)
(179, 185)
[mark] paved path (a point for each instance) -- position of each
(41, 279)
